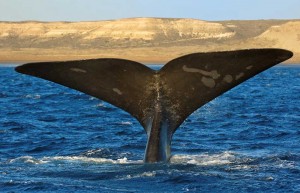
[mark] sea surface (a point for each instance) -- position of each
(54, 139)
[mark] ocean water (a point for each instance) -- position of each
(54, 139)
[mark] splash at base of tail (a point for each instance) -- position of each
(159, 100)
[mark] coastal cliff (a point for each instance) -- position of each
(148, 40)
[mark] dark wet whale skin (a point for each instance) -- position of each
(159, 100)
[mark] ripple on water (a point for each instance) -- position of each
(56, 139)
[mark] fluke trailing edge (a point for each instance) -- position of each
(159, 100)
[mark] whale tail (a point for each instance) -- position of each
(159, 100)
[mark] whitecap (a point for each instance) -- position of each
(34, 96)
(92, 98)
(78, 159)
(100, 105)
(126, 123)
(28, 159)
(206, 159)
(142, 175)
(93, 160)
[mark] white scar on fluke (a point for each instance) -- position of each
(214, 74)
(208, 82)
(240, 75)
(228, 78)
(78, 70)
(116, 90)
(249, 67)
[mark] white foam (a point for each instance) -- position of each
(202, 159)
(100, 105)
(29, 160)
(92, 98)
(235, 160)
(205, 159)
(126, 123)
(44, 160)
(144, 174)
(243, 167)
(93, 160)
(33, 96)
(226, 157)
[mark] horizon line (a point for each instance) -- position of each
(75, 21)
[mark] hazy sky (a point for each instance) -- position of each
(89, 10)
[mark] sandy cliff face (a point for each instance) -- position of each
(166, 29)
(126, 32)
(142, 39)
(286, 36)
(138, 28)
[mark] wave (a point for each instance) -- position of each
(78, 159)
(140, 175)
(236, 161)
(201, 159)
(206, 159)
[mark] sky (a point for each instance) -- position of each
(93, 10)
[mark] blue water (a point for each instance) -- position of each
(54, 139)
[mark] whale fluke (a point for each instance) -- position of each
(159, 100)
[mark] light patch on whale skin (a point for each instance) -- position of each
(214, 74)
(208, 82)
(116, 90)
(228, 78)
(78, 70)
(249, 67)
(240, 75)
